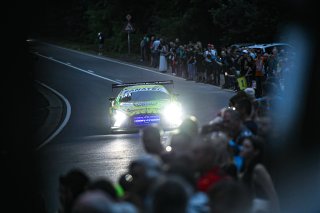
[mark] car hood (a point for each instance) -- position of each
(143, 107)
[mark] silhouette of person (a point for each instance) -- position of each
(100, 42)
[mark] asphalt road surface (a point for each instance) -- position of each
(79, 85)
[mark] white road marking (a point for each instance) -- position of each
(77, 68)
(66, 119)
(112, 60)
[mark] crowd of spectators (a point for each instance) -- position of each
(213, 168)
(240, 66)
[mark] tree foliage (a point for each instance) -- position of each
(218, 21)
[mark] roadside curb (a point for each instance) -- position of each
(55, 110)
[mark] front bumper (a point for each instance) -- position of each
(137, 122)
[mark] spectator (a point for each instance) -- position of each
(172, 57)
(259, 73)
(235, 98)
(217, 67)
(271, 64)
(180, 143)
(100, 42)
(177, 42)
(256, 177)
(264, 124)
(190, 126)
(212, 126)
(143, 47)
(250, 92)
(215, 124)
(104, 185)
(143, 171)
(93, 202)
(229, 196)
(224, 68)
(71, 186)
(163, 49)
(151, 139)
(170, 195)
(233, 126)
(200, 68)
(182, 167)
(208, 165)
(269, 100)
(155, 51)
(209, 68)
(150, 46)
(224, 157)
(245, 108)
(182, 61)
(246, 67)
(125, 183)
(191, 64)
(179, 148)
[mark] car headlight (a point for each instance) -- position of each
(173, 113)
(119, 118)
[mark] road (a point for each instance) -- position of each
(82, 83)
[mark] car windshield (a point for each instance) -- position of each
(144, 96)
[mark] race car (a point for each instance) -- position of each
(140, 104)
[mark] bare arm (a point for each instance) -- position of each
(262, 178)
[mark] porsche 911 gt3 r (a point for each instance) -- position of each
(144, 103)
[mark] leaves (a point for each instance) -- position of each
(219, 21)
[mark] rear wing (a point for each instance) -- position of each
(122, 85)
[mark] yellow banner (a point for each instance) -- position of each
(242, 82)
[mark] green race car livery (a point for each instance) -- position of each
(144, 103)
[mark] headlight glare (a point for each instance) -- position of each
(173, 113)
(119, 118)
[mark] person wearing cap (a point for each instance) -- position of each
(250, 92)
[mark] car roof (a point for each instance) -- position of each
(269, 45)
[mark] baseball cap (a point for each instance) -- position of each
(250, 91)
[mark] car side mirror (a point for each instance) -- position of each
(112, 99)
